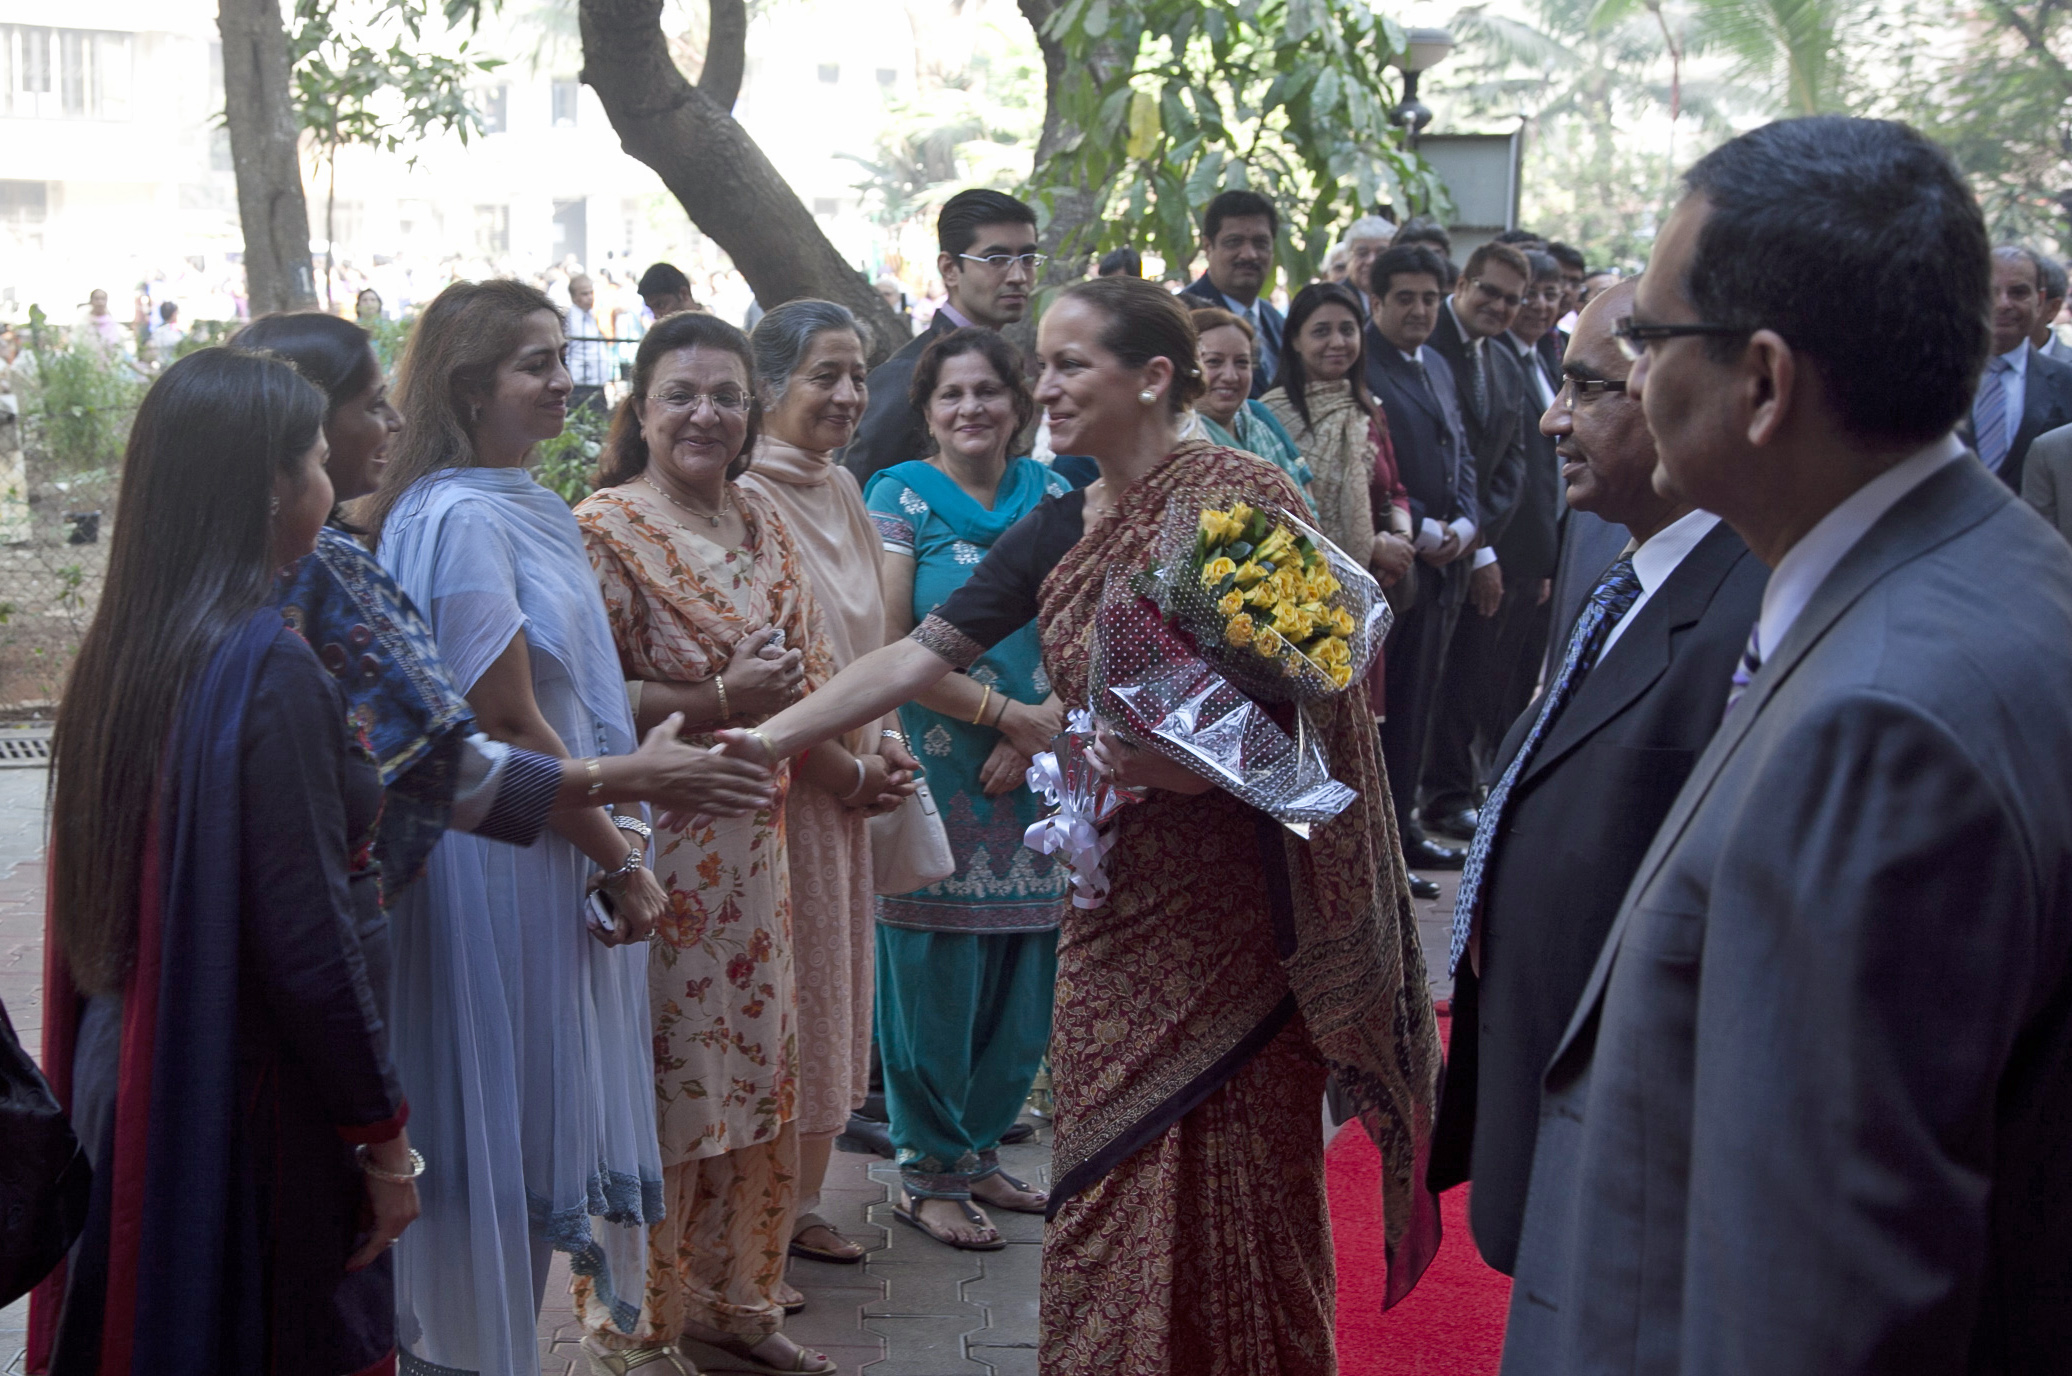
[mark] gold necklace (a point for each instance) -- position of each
(726, 502)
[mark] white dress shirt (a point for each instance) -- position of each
(1655, 560)
(1807, 564)
(589, 361)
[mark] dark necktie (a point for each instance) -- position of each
(1478, 384)
(1613, 598)
(1745, 672)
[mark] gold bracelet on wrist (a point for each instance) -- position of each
(756, 732)
(979, 716)
(595, 769)
(719, 681)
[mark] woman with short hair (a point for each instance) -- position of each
(809, 376)
(966, 965)
(1227, 413)
(1232, 965)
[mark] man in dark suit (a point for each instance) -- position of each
(1417, 394)
(1238, 231)
(1569, 819)
(988, 262)
(2024, 391)
(1492, 386)
(1810, 1115)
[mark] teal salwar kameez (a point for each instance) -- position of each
(966, 965)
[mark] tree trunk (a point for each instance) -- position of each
(689, 136)
(1075, 211)
(261, 119)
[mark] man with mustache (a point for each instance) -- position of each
(1238, 230)
(1584, 777)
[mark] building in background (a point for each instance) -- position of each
(115, 171)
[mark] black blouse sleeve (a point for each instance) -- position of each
(1001, 596)
(301, 938)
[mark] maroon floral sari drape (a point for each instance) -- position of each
(1228, 956)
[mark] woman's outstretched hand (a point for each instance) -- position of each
(685, 778)
(1130, 766)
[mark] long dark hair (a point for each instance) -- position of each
(1293, 377)
(450, 365)
(329, 351)
(1006, 361)
(190, 557)
(625, 455)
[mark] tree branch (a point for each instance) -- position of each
(726, 53)
(724, 182)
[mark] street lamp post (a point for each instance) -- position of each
(1423, 49)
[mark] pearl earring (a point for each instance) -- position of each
(1147, 396)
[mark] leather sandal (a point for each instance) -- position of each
(649, 1361)
(1024, 1187)
(737, 1355)
(909, 1213)
(807, 1222)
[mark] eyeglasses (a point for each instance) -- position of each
(1001, 262)
(1489, 293)
(1547, 296)
(728, 401)
(1633, 340)
(1592, 386)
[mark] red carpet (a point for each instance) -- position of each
(1452, 1324)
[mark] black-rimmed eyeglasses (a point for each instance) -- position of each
(1633, 340)
(1592, 386)
(1001, 262)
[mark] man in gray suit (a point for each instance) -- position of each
(2046, 339)
(1812, 1114)
(2047, 478)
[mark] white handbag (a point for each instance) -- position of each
(909, 848)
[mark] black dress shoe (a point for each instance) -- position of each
(1421, 887)
(1423, 853)
(1460, 822)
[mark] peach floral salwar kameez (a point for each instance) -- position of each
(721, 969)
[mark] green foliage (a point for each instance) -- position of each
(2000, 101)
(1290, 98)
(363, 75)
(567, 464)
(389, 338)
(86, 399)
(974, 128)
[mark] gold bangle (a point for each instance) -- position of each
(719, 681)
(980, 715)
(595, 769)
(756, 732)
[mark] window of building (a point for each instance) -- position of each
(495, 109)
(826, 205)
(492, 229)
(566, 92)
(219, 149)
(830, 73)
(48, 73)
(888, 76)
(572, 230)
(24, 206)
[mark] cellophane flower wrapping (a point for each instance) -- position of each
(1066, 778)
(1240, 607)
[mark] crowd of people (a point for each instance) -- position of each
(442, 878)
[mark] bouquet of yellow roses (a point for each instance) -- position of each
(1240, 608)
(1296, 618)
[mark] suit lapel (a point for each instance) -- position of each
(1397, 367)
(1956, 498)
(1642, 653)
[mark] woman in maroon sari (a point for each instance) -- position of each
(1232, 966)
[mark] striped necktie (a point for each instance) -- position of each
(1989, 419)
(1745, 672)
(1614, 596)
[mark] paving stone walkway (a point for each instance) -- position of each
(912, 1308)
